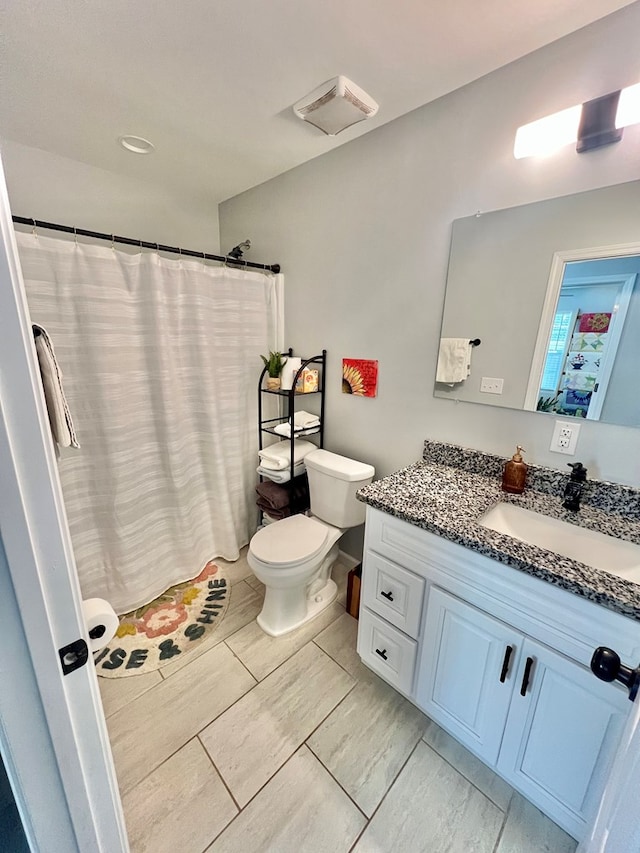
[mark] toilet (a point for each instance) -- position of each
(293, 557)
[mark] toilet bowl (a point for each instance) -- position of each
(293, 557)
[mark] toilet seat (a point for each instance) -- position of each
(289, 542)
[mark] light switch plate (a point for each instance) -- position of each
(565, 437)
(489, 385)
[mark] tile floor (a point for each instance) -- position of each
(291, 745)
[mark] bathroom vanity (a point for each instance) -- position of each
(492, 637)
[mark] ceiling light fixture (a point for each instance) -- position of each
(590, 125)
(136, 144)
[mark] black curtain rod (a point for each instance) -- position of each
(143, 244)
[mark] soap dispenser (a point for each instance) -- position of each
(515, 473)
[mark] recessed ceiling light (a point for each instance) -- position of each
(136, 144)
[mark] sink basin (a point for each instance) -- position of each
(616, 556)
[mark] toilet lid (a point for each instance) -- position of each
(289, 541)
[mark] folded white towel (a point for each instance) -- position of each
(278, 456)
(303, 420)
(60, 419)
(281, 476)
(454, 360)
(285, 429)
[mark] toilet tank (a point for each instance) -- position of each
(333, 483)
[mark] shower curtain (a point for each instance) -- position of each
(160, 360)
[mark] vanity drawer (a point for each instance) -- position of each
(393, 592)
(386, 650)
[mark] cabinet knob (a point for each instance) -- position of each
(383, 653)
(387, 595)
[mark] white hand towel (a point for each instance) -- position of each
(277, 457)
(285, 429)
(303, 420)
(281, 476)
(60, 419)
(454, 360)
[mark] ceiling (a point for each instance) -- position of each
(211, 82)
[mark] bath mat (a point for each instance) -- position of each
(171, 625)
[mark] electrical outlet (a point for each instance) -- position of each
(488, 385)
(565, 437)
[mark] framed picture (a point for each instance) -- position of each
(359, 377)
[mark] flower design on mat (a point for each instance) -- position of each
(352, 381)
(190, 595)
(125, 628)
(163, 619)
(209, 570)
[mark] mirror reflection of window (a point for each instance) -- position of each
(558, 345)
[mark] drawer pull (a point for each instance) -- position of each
(505, 664)
(383, 653)
(525, 677)
(387, 595)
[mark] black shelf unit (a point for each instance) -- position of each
(290, 398)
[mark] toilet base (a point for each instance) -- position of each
(315, 605)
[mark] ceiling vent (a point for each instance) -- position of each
(336, 105)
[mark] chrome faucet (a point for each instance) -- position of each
(573, 489)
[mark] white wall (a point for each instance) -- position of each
(363, 235)
(55, 189)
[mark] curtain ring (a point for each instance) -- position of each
(113, 243)
(75, 235)
(33, 228)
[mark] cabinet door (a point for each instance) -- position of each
(467, 672)
(561, 735)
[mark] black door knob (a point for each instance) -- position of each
(606, 665)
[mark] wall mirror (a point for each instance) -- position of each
(552, 290)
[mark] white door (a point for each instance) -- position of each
(616, 828)
(53, 736)
(468, 672)
(561, 735)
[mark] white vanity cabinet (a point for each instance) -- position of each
(500, 660)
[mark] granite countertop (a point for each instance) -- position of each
(446, 496)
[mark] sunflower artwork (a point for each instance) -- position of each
(359, 377)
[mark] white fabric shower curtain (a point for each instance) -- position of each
(160, 360)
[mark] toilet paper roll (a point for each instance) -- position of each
(289, 371)
(101, 621)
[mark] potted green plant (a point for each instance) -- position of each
(274, 364)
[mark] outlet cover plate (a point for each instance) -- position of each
(490, 385)
(565, 437)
